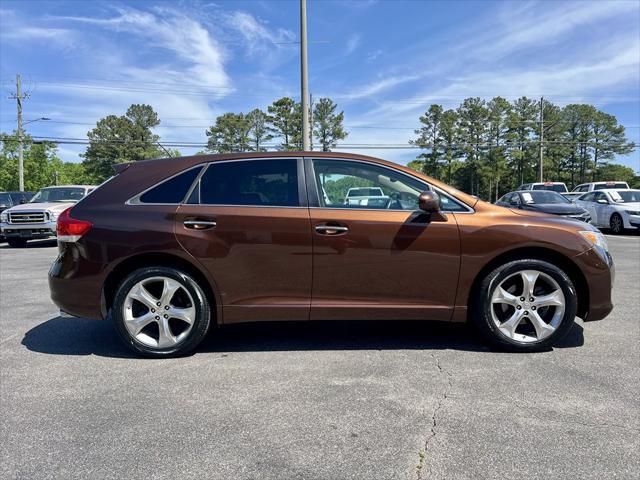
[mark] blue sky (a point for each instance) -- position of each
(383, 62)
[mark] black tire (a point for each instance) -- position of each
(616, 224)
(482, 306)
(17, 242)
(200, 326)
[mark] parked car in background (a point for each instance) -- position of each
(366, 196)
(571, 196)
(591, 186)
(168, 247)
(544, 201)
(553, 186)
(613, 209)
(37, 218)
(10, 199)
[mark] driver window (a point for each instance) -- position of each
(347, 184)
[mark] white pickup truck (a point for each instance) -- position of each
(37, 218)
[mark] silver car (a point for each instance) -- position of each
(615, 209)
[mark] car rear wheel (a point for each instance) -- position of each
(17, 242)
(526, 305)
(616, 224)
(161, 312)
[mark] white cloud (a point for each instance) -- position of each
(353, 42)
(258, 38)
(377, 87)
(173, 31)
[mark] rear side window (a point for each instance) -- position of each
(172, 190)
(272, 183)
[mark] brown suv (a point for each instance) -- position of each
(166, 247)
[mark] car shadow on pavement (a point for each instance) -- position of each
(33, 244)
(77, 336)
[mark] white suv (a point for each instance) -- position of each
(559, 187)
(37, 218)
(591, 186)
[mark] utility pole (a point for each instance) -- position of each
(18, 97)
(540, 167)
(304, 74)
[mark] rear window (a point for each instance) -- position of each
(558, 187)
(271, 183)
(602, 186)
(172, 190)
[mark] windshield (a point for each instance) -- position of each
(5, 199)
(543, 196)
(59, 194)
(558, 187)
(624, 196)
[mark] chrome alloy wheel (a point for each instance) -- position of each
(527, 306)
(159, 312)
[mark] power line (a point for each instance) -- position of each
(177, 143)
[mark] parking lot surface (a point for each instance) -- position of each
(390, 400)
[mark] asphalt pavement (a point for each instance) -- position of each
(365, 400)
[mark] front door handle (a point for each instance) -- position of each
(331, 229)
(199, 224)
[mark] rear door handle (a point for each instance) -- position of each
(331, 229)
(199, 224)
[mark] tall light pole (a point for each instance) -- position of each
(540, 166)
(304, 74)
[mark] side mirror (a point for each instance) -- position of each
(602, 201)
(429, 202)
(23, 201)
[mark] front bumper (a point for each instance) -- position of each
(634, 221)
(28, 231)
(599, 275)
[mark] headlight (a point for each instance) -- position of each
(633, 212)
(53, 216)
(4, 217)
(596, 239)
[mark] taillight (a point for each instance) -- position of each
(70, 229)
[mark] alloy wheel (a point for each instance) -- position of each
(159, 312)
(527, 306)
(615, 223)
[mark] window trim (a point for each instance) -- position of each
(302, 191)
(314, 195)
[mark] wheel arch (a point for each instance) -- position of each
(536, 253)
(154, 259)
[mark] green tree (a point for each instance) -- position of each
(608, 140)
(286, 121)
(472, 128)
(259, 129)
(499, 110)
(522, 120)
(38, 161)
(121, 139)
(327, 124)
(229, 134)
(429, 138)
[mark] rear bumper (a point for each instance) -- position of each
(599, 274)
(75, 282)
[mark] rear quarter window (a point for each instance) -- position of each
(172, 190)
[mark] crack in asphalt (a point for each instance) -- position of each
(571, 421)
(434, 417)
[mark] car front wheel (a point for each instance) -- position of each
(161, 312)
(526, 305)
